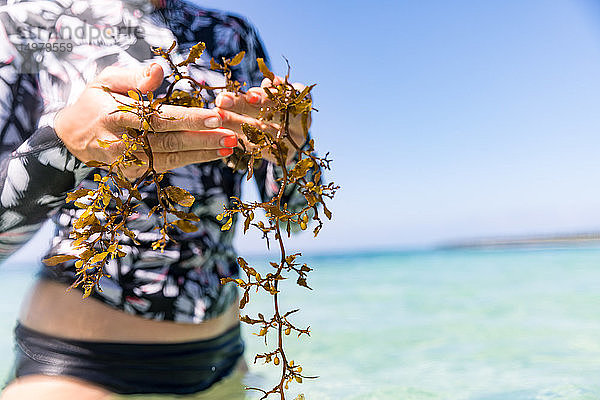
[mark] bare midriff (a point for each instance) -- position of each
(50, 309)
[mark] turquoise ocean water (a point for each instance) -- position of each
(477, 325)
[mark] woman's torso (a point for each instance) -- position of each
(49, 309)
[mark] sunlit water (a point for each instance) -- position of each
(477, 325)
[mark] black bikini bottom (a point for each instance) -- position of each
(125, 368)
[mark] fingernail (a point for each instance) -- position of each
(212, 122)
(225, 152)
(229, 141)
(253, 98)
(225, 101)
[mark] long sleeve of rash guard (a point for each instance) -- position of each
(36, 170)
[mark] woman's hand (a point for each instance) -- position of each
(245, 108)
(194, 136)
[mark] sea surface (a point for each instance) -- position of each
(458, 324)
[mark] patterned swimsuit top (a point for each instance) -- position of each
(183, 282)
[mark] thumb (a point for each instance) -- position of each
(121, 79)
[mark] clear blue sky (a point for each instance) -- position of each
(446, 120)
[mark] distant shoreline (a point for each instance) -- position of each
(523, 241)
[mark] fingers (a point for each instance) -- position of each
(163, 162)
(267, 82)
(175, 149)
(170, 118)
(250, 103)
(247, 104)
(167, 161)
(120, 79)
(279, 80)
(166, 142)
(233, 121)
